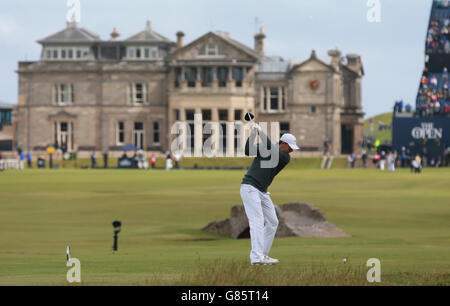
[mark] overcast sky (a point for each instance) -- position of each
(392, 50)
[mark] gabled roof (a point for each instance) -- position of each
(148, 35)
(227, 39)
(71, 34)
(235, 43)
(313, 57)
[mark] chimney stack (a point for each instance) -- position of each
(259, 42)
(354, 62)
(115, 35)
(335, 58)
(180, 39)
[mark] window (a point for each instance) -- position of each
(284, 128)
(206, 115)
(131, 52)
(142, 52)
(177, 115)
(5, 118)
(238, 76)
(138, 93)
(190, 113)
(274, 98)
(313, 109)
(190, 76)
(66, 53)
(207, 76)
(238, 115)
(223, 76)
(120, 133)
(156, 132)
(154, 52)
(64, 94)
(223, 115)
(212, 50)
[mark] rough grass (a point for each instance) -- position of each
(240, 273)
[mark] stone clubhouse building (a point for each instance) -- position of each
(87, 94)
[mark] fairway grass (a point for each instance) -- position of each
(400, 218)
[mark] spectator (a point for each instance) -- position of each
(93, 160)
(349, 161)
(326, 147)
(21, 160)
(382, 160)
(364, 158)
(168, 161)
(29, 159)
(353, 159)
(408, 108)
(153, 161)
(177, 157)
(105, 160)
(416, 164)
(391, 162)
(142, 162)
(376, 158)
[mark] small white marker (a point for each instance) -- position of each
(68, 253)
(344, 260)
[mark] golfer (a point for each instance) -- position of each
(258, 205)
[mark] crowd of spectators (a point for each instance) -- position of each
(438, 32)
(433, 98)
(438, 36)
(442, 3)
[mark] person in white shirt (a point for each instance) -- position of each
(391, 162)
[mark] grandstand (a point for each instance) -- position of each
(433, 98)
(426, 131)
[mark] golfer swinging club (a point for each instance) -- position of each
(258, 205)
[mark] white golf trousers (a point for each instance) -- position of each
(262, 219)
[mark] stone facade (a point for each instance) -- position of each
(86, 94)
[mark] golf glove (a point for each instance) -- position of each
(256, 127)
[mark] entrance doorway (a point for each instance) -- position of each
(346, 139)
(138, 133)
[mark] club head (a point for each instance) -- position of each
(249, 117)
